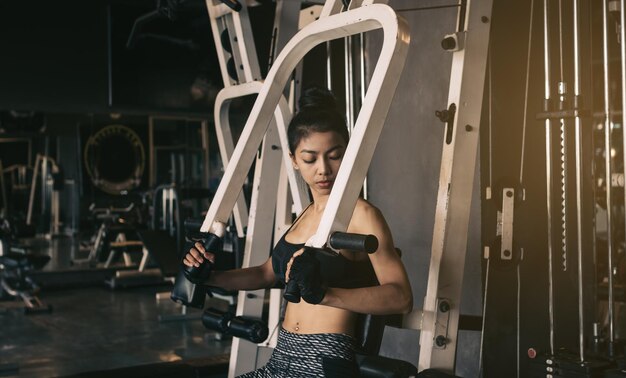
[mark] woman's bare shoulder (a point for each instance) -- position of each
(365, 215)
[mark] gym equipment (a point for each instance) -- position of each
(227, 323)
(15, 282)
(176, 155)
(459, 149)
(608, 183)
(330, 25)
(52, 182)
(211, 242)
(120, 234)
(369, 334)
(567, 213)
(563, 364)
(439, 329)
(233, 39)
(574, 269)
(113, 223)
(188, 289)
(15, 265)
(336, 241)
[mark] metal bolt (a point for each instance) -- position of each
(509, 193)
(444, 306)
(484, 19)
(506, 253)
(441, 341)
(468, 128)
(448, 43)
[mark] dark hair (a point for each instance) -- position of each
(317, 112)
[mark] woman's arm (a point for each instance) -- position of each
(257, 277)
(394, 294)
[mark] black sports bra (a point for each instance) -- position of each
(337, 271)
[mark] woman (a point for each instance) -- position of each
(316, 335)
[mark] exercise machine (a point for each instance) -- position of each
(440, 318)
(52, 182)
(332, 24)
(15, 264)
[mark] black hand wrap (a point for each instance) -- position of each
(305, 270)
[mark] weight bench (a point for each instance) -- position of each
(156, 246)
(163, 249)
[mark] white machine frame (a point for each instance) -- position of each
(438, 321)
(330, 25)
(368, 126)
(271, 191)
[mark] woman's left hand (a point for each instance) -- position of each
(304, 268)
(290, 263)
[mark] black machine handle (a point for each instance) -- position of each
(210, 242)
(200, 273)
(353, 242)
(227, 323)
(188, 287)
(337, 240)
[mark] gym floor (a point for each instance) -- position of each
(96, 329)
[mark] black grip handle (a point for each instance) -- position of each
(338, 240)
(216, 320)
(353, 242)
(247, 328)
(227, 323)
(199, 274)
(292, 292)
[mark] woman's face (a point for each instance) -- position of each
(318, 157)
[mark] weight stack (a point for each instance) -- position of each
(569, 366)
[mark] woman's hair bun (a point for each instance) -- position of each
(317, 112)
(317, 97)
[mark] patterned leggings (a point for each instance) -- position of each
(310, 355)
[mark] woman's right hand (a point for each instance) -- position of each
(196, 256)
